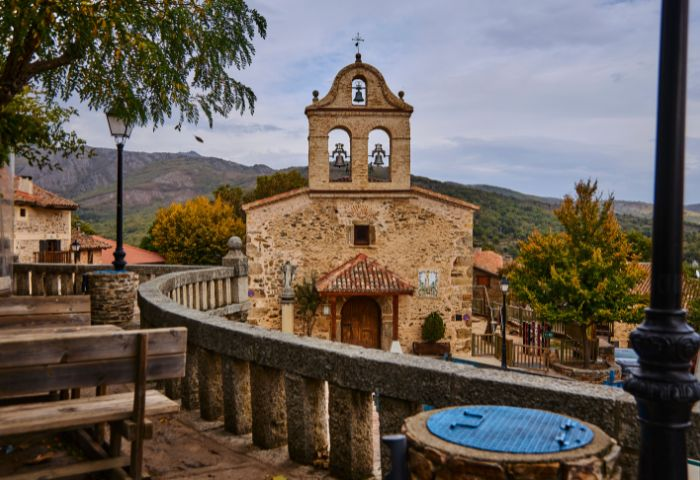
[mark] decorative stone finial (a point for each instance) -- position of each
(235, 257)
(235, 243)
(315, 94)
(401, 94)
(358, 58)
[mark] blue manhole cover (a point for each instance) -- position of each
(509, 429)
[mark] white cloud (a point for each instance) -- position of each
(524, 95)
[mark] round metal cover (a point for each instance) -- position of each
(509, 429)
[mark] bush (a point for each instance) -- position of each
(433, 327)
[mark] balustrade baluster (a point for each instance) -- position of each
(210, 389)
(268, 406)
(190, 383)
(307, 425)
(350, 426)
(236, 386)
(392, 413)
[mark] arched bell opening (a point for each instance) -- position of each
(359, 91)
(379, 156)
(340, 165)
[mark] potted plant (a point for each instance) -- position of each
(432, 331)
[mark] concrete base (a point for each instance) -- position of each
(395, 347)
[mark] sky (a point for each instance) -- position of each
(527, 95)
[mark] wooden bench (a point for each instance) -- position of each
(54, 311)
(43, 360)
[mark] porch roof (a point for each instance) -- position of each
(362, 276)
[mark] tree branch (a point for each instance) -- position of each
(41, 66)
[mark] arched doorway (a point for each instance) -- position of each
(360, 320)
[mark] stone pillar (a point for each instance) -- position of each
(307, 429)
(350, 425)
(392, 413)
(237, 408)
(288, 315)
(190, 384)
(112, 296)
(287, 297)
(236, 259)
(173, 388)
(268, 407)
(210, 389)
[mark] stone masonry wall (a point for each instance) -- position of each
(39, 224)
(412, 233)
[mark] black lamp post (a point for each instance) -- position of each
(504, 320)
(120, 130)
(75, 248)
(663, 386)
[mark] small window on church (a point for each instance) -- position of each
(361, 235)
(359, 92)
(22, 212)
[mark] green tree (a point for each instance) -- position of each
(85, 227)
(276, 183)
(433, 327)
(234, 196)
(581, 275)
(694, 313)
(144, 61)
(640, 245)
(195, 232)
(307, 299)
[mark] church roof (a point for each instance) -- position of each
(424, 192)
(362, 276)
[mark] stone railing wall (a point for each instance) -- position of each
(300, 391)
(59, 278)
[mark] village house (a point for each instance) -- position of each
(42, 224)
(384, 254)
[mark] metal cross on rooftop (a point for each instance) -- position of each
(357, 39)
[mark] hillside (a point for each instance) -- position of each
(151, 181)
(154, 180)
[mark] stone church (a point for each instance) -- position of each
(383, 254)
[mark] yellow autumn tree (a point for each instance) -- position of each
(195, 232)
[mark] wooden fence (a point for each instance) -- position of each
(483, 345)
(530, 356)
(571, 352)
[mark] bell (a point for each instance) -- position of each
(339, 154)
(378, 154)
(358, 94)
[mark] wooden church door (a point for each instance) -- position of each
(360, 320)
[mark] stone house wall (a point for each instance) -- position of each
(39, 224)
(412, 233)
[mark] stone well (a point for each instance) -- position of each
(430, 457)
(112, 296)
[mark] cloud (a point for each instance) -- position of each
(526, 95)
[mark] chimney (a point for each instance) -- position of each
(26, 185)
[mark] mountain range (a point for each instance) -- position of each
(154, 180)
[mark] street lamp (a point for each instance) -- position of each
(504, 319)
(120, 130)
(75, 247)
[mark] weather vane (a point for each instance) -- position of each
(357, 41)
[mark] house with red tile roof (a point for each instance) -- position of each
(42, 223)
(134, 255)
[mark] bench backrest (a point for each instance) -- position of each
(40, 362)
(54, 311)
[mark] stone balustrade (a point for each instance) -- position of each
(302, 391)
(59, 278)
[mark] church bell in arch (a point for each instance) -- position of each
(358, 94)
(339, 155)
(378, 154)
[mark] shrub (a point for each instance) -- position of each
(433, 327)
